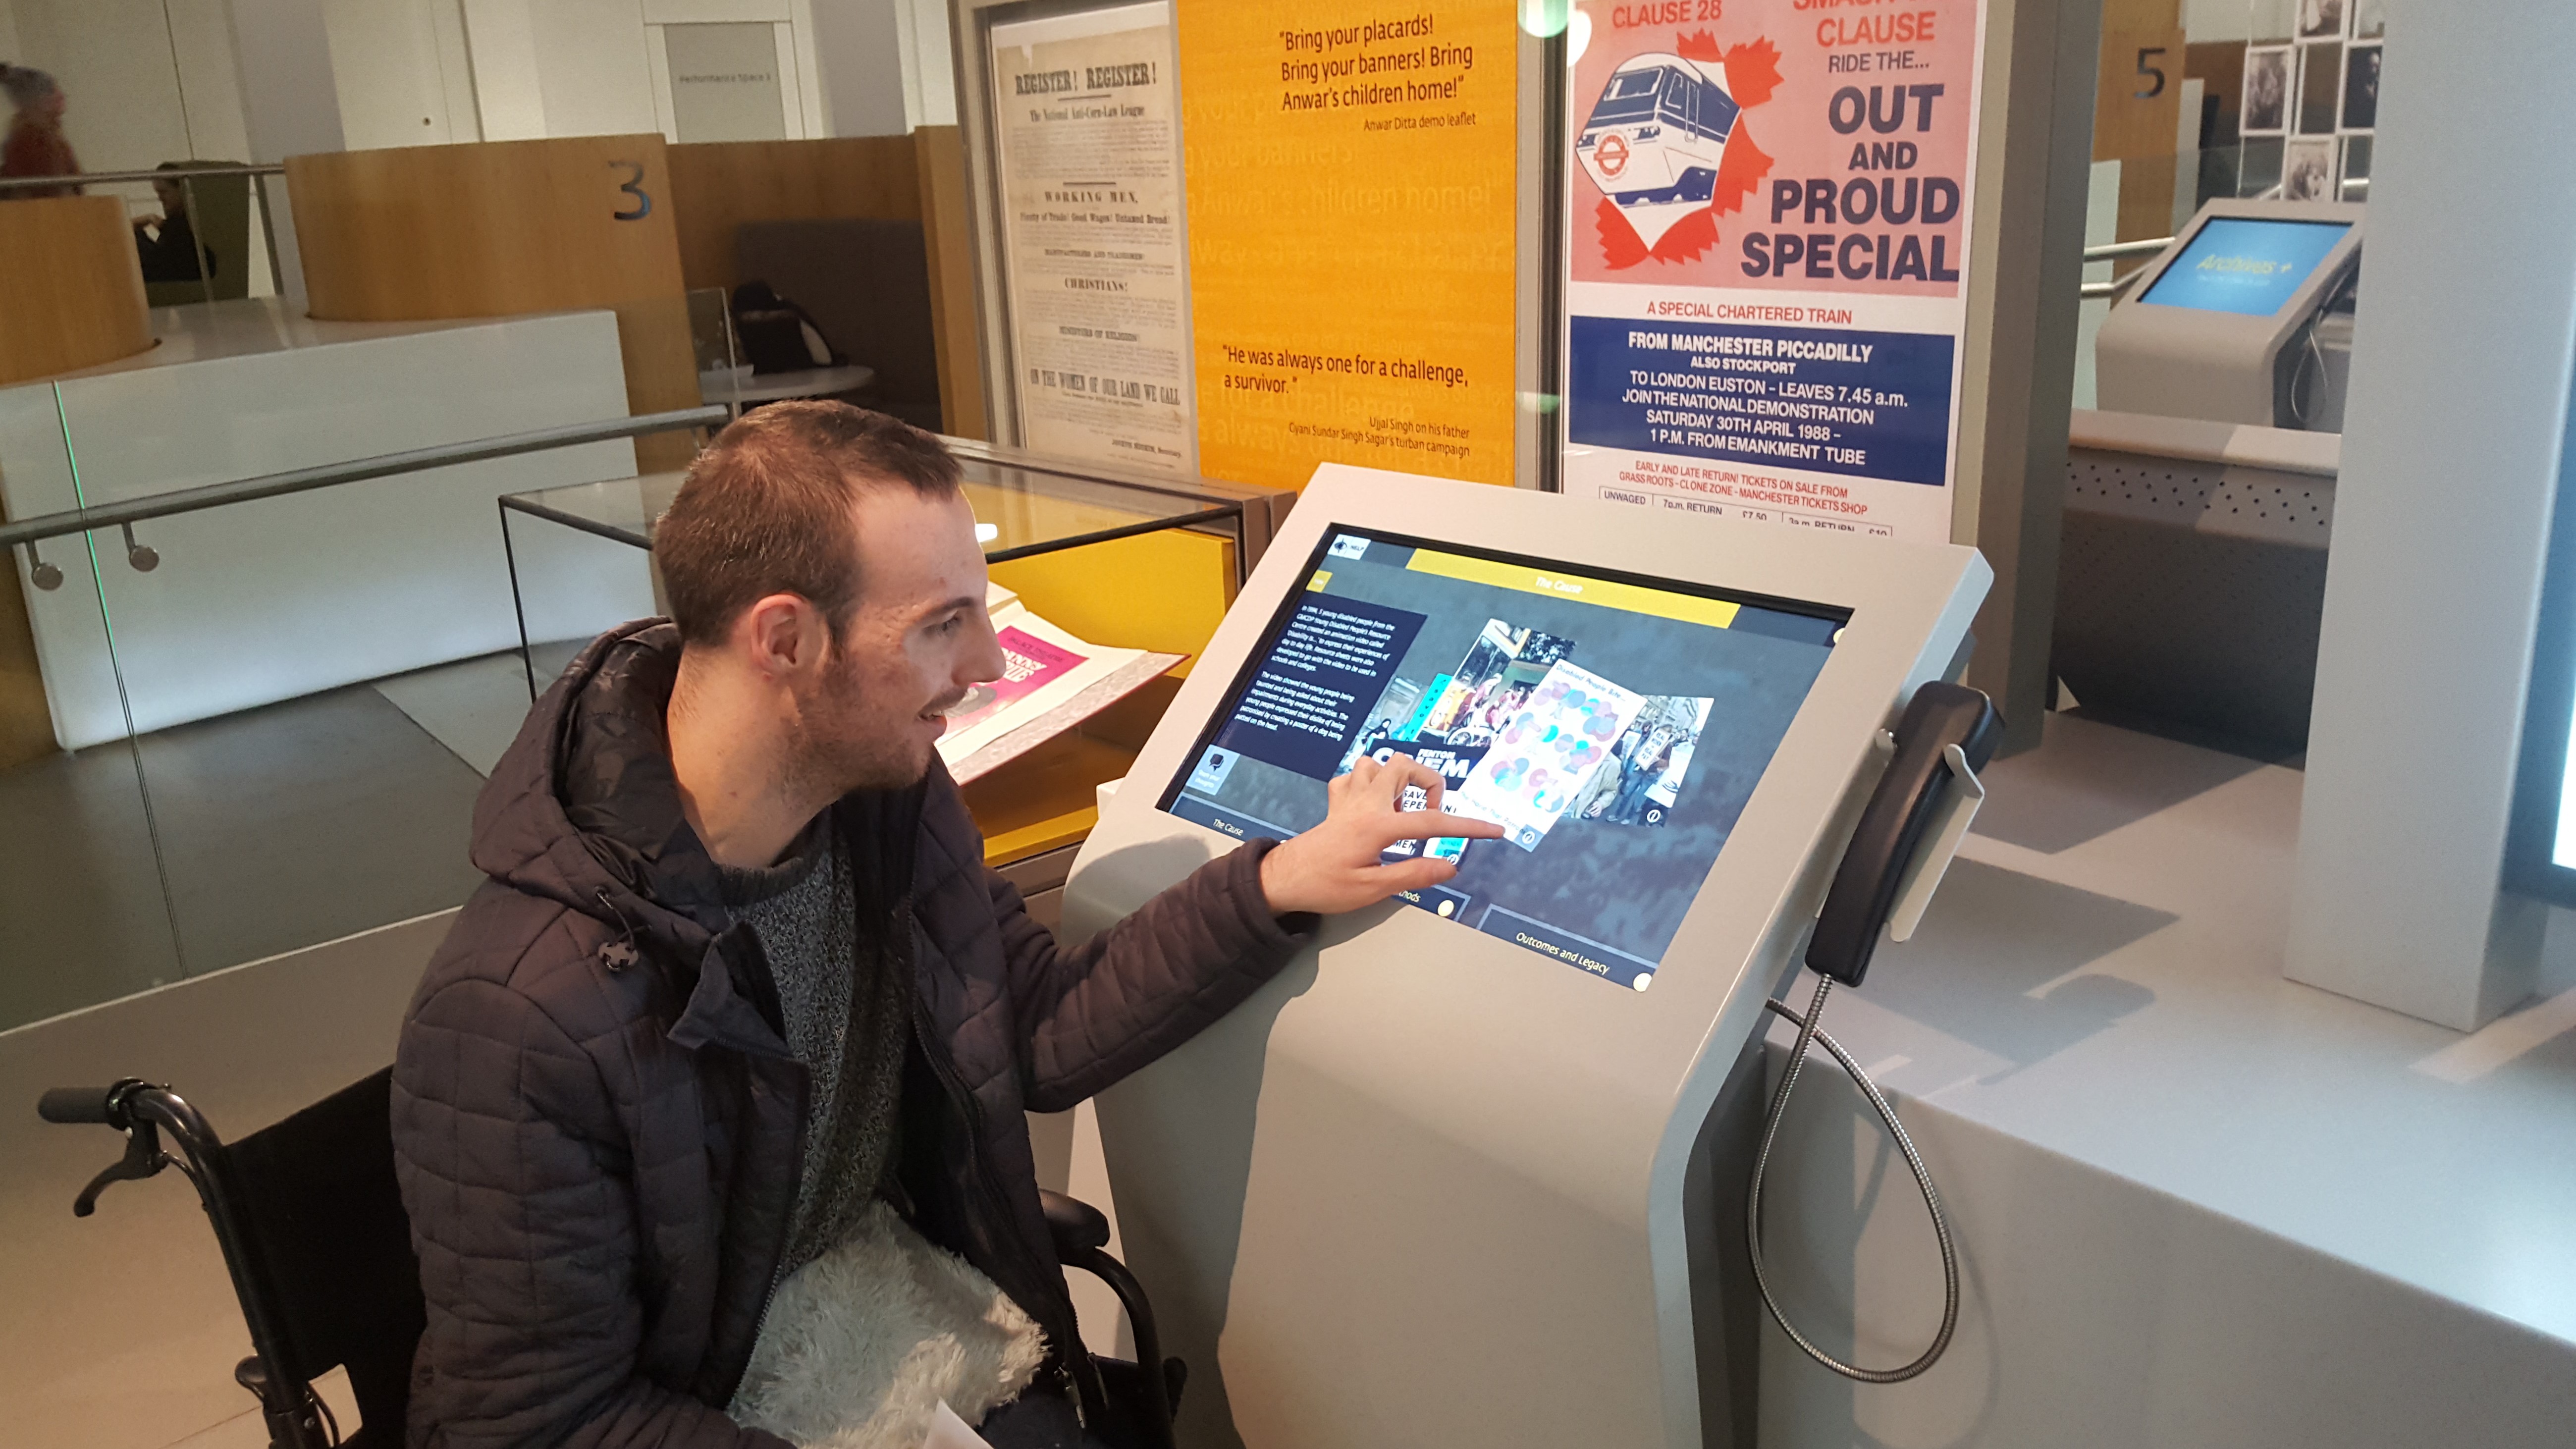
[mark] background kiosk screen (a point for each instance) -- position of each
(1615, 726)
(2251, 265)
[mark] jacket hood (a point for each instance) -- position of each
(583, 808)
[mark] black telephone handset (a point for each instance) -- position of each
(1893, 823)
(1945, 736)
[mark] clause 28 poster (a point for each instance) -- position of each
(1767, 252)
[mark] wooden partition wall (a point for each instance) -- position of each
(71, 292)
(951, 238)
(71, 296)
(716, 187)
(497, 228)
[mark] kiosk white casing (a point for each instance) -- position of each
(1427, 1187)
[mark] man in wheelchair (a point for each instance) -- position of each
(708, 1113)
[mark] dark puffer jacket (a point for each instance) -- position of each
(599, 1126)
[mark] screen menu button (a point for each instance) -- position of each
(1565, 946)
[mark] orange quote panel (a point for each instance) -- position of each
(1351, 224)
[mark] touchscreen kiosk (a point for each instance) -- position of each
(2222, 325)
(1613, 725)
(1446, 1180)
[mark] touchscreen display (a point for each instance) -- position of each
(2251, 265)
(1613, 725)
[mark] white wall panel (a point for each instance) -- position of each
(282, 51)
(693, 12)
(860, 59)
(456, 70)
(929, 63)
(2451, 463)
(591, 64)
(289, 105)
(113, 60)
(385, 68)
(201, 37)
(509, 93)
(798, 34)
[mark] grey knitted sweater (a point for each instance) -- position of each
(843, 1003)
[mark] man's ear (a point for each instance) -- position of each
(782, 634)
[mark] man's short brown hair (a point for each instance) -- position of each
(767, 510)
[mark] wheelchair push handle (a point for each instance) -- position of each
(79, 1105)
(96, 1106)
(140, 1110)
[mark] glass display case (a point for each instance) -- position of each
(1125, 561)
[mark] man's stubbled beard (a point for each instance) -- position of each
(841, 744)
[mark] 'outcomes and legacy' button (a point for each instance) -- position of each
(1565, 946)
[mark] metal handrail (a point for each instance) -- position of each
(2108, 250)
(186, 175)
(105, 178)
(356, 470)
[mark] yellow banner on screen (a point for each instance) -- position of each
(1558, 584)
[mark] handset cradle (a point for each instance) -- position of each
(1909, 829)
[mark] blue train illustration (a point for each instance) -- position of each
(1655, 137)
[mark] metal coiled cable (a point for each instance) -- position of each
(1808, 1032)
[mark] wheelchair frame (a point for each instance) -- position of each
(296, 1416)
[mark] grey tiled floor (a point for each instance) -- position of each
(322, 839)
(120, 1331)
(81, 912)
(473, 707)
(300, 823)
(278, 828)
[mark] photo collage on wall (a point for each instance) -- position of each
(2310, 107)
(1525, 737)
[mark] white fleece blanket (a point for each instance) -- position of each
(864, 1343)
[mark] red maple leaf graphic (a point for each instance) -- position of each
(1742, 169)
(1621, 247)
(1689, 237)
(1752, 71)
(1752, 74)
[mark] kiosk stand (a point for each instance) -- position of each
(1462, 1173)
(2200, 500)
(2223, 324)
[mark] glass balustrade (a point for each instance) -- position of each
(84, 909)
(241, 731)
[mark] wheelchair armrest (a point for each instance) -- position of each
(1077, 1227)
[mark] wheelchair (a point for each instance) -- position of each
(313, 1233)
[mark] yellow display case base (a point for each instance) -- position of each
(1048, 798)
(1045, 799)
